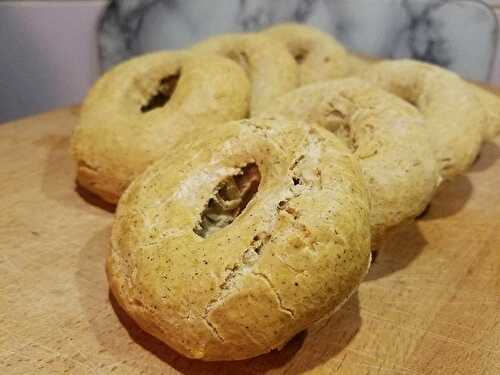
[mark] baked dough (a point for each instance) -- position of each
(142, 107)
(271, 69)
(358, 64)
(232, 244)
(490, 103)
(387, 136)
(454, 117)
(320, 56)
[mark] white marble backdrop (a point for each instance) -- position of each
(457, 34)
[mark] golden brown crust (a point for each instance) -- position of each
(319, 55)
(271, 69)
(453, 114)
(358, 64)
(294, 254)
(123, 128)
(490, 103)
(385, 133)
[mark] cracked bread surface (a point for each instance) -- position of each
(138, 110)
(387, 136)
(291, 256)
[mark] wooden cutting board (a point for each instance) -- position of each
(430, 305)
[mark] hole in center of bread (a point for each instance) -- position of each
(300, 55)
(163, 94)
(230, 198)
(240, 58)
(346, 135)
(338, 122)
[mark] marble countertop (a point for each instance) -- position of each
(460, 35)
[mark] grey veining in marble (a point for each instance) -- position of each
(458, 34)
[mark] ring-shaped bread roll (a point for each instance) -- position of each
(319, 55)
(139, 109)
(385, 133)
(454, 117)
(490, 103)
(271, 69)
(239, 242)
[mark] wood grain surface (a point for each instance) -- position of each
(430, 304)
